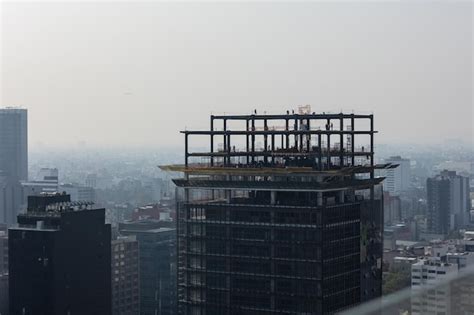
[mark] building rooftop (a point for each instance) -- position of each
(431, 261)
(125, 238)
(155, 230)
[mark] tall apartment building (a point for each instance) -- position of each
(125, 276)
(14, 142)
(431, 288)
(448, 202)
(157, 266)
(60, 259)
(281, 214)
(13, 160)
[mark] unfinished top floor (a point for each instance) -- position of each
(303, 139)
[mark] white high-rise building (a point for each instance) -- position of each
(397, 180)
(430, 286)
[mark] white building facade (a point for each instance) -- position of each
(431, 290)
(397, 180)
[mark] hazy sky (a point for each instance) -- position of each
(136, 73)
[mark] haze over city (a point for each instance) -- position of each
(134, 74)
(236, 158)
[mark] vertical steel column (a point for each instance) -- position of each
(212, 140)
(186, 154)
(287, 136)
(247, 141)
(253, 139)
(352, 139)
(372, 195)
(273, 147)
(308, 136)
(341, 139)
(225, 141)
(229, 149)
(329, 143)
(265, 140)
(301, 137)
(296, 135)
(372, 140)
(320, 153)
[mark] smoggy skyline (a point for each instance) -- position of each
(112, 74)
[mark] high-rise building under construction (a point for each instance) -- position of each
(284, 216)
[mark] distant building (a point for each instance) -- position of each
(152, 211)
(468, 241)
(448, 202)
(392, 208)
(59, 259)
(461, 259)
(397, 179)
(91, 180)
(157, 267)
(13, 161)
(125, 276)
(430, 292)
(47, 182)
(402, 263)
(3, 252)
(14, 142)
(78, 192)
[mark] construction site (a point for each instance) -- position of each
(280, 214)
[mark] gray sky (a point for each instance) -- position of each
(135, 74)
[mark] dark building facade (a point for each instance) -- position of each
(286, 216)
(448, 202)
(125, 276)
(13, 161)
(157, 247)
(59, 259)
(3, 270)
(438, 206)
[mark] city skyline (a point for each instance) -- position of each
(190, 157)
